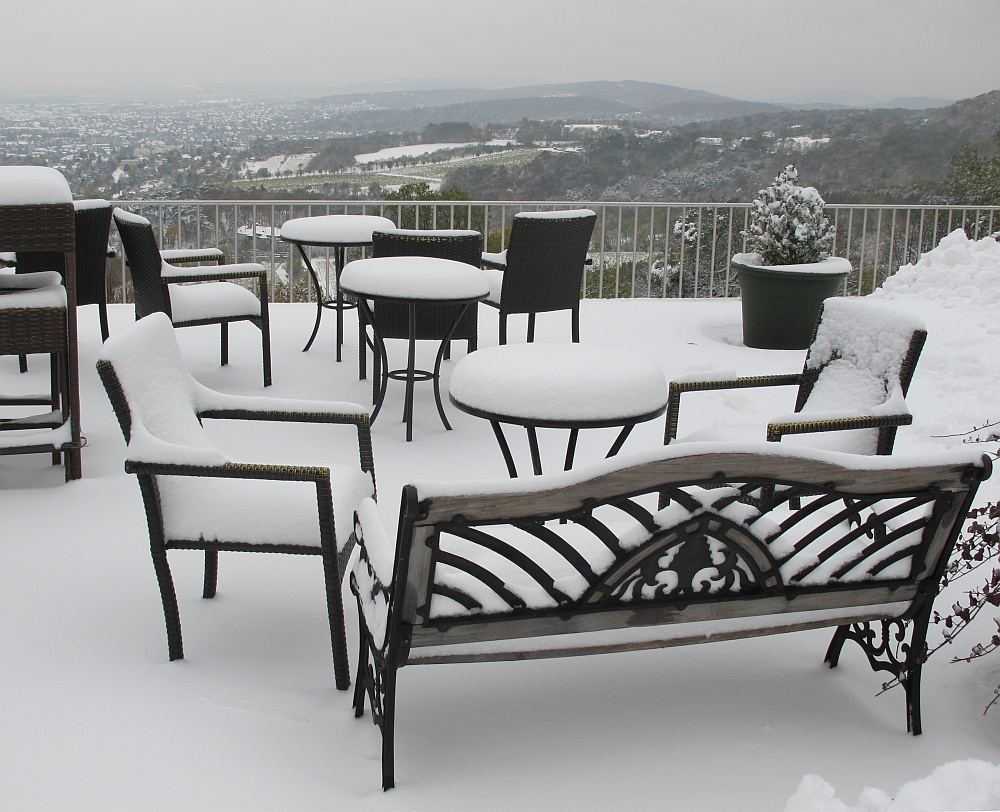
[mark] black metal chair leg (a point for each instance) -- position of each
(211, 573)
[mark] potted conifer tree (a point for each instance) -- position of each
(788, 270)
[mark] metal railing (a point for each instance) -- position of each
(639, 250)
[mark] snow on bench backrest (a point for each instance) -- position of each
(749, 522)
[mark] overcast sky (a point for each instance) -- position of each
(852, 51)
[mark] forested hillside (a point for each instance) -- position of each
(851, 155)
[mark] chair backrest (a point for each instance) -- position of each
(93, 223)
(862, 356)
(154, 396)
(433, 321)
(144, 263)
(545, 261)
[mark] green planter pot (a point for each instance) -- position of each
(781, 302)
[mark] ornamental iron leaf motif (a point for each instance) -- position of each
(707, 556)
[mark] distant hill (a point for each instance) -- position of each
(649, 102)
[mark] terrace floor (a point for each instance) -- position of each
(95, 717)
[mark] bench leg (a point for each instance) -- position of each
(896, 646)
(388, 728)
(361, 675)
(836, 645)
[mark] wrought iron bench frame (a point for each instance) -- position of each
(714, 498)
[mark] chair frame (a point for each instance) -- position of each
(334, 563)
(544, 271)
(805, 381)
(152, 293)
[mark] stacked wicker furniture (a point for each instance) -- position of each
(433, 321)
(38, 313)
(197, 497)
(542, 269)
(93, 224)
(159, 287)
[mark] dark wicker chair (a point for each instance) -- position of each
(197, 498)
(856, 374)
(158, 288)
(542, 268)
(433, 321)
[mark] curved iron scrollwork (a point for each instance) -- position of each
(708, 555)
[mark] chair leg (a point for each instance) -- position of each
(531, 327)
(211, 573)
(224, 349)
(338, 634)
(576, 325)
(265, 342)
(103, 311)
(362, 347)
(22, 363)
(171, 614)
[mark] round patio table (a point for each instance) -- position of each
(339, 232)
(413, 281)
(565, 385)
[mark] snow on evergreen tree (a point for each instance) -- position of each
(787, 225)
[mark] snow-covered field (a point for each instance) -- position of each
(95, 717)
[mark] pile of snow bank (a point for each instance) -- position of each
(958, 785)
(959, 272)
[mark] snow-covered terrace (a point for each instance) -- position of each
(95, 717)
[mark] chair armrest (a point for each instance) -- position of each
(678, 388)
(212, 273)
(829, 422)
(233, 470)
(179, 256)
(222, 406)
(495, 262)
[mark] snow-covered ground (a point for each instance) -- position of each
(95, 717)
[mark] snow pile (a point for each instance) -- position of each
(959, 272)
(958, 785)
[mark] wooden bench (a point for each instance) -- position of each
(681, 545)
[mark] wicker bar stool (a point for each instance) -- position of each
(38, 314)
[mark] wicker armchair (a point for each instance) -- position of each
(433, 321)
(542, 268)
(856, 375)
(197, 498)
(158, 288)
